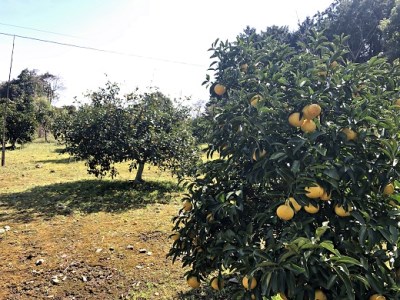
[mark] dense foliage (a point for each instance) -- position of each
(141, 128)
(28, 105)
(339, 241)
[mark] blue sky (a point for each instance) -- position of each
(174, 31)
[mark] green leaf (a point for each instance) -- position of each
(346, 260)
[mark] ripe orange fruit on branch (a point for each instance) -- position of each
(187, 206)
(175, 236)
(255, 99)
(311, 111)
(315, 191)
(295, 120)
(219, 89)
(260, 154)
(308, 126)
(193, 282)
(377, 297)
(217, 284)
(388, 190)
(295, 204)
(320, 295)
(351, 135)
(285, 212)
(246, 281)
(325, 196)
(311, 209)
(341, 212)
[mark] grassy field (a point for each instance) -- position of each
(72, 236)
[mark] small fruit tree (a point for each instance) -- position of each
(140, 128)
(302, 200)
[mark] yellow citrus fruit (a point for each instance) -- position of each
(260, 154)
(210, 217)
(319, 295)
(217, 284)
(295, 120)
(187, 206)
(308, 126)
(175, 236)
(325, 196)
(341, 212)
(397, 102)
(193, 282)
(315, 191)
(311, 209)
(255, 99)
(351, 135)
(312, 111)
(283, 296)
(246, 280)
(377, 297)
(322, 73)
(334, 64)
(253, 297)
(285, 212)
(295, 204)
(219, 89)
(389, 189)
(244, 67)
(305, 112)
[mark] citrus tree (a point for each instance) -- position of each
(139, 128)
(301, 201)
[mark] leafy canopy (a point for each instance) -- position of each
(231, 227)
(141, 128)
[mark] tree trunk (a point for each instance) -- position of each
(45, 135)
(138, 178)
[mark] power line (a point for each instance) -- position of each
(100, 50)
(40, 30)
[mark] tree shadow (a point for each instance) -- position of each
(85, 196)
(57, 161)
(205, 293)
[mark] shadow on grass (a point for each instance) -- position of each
(205, 293)
(86, 196)
(58, 161)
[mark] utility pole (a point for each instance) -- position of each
(3, 143)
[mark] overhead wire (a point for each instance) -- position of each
(40, 30)
(100, 50)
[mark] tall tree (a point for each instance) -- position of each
(359, 19)
(21, 118)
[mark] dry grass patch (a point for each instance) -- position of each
(76, 236)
